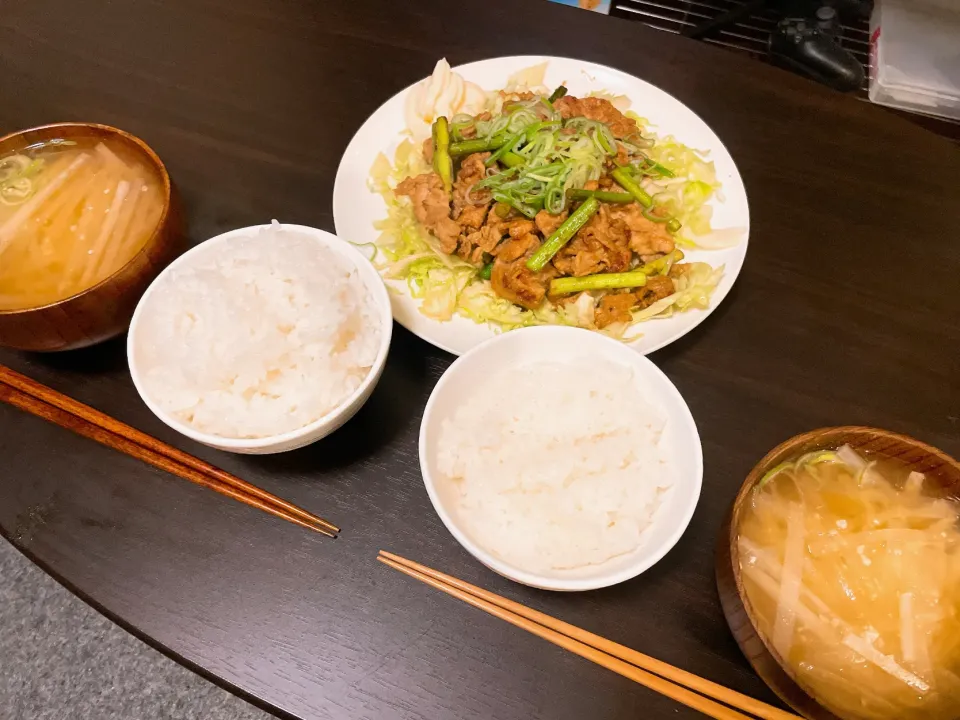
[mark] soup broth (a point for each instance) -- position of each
(853, 568)
(72, 213)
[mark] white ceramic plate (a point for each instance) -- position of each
(680, 441)
(356, 208)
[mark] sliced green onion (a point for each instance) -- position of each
(562, 235)
(648, 166)
(521, 119)
(16, 185)
(36, 165)
(555, 200)
(533, 129)
(607, 141)
(486, 271)
(557, 94)
(533, 200)
(816, 457)
(16, 190)
(457, 128)
(540, 148)
(596, 132)
(512, 160)
(551, 110)
(773, 472)
(495, 126)
(623, 177)
(521, 207)
(648, 214)
(14, 166)
(813, 458)
(665, 172)
(601, 281)
(638, 142)
(547, 173)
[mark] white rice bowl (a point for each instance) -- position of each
(560, 458)
(256, 336)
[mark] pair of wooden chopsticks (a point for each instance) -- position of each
(37, 399)
(665, 679)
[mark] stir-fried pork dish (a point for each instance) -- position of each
(547, 201)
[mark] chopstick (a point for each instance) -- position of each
(649, 672)
(38, 399)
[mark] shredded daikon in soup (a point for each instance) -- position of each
(853, 569)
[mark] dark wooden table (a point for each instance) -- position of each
(846, 312)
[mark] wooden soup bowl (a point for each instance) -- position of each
(101, 311)
(940, 469)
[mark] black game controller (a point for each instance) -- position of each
(809, 46)
(807, 41)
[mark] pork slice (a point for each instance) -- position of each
(547, 223)
(515, 282)
(657, 288)
(614, 308)
(472, 170)
(598, 109)
(648, 239)
(431, 206)
(516, 248)
(472, 217)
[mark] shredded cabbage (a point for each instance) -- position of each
(720, 238)
(687, 194)
(447, 285)
(530, 78)
(693, 291)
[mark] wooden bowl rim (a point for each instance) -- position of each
(754, 477)
(161, 223)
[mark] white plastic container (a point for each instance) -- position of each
(915, 56)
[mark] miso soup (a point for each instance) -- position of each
(72, 213)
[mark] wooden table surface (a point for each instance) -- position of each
(846, 312)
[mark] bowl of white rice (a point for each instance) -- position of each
(261, 340)
(560, 458)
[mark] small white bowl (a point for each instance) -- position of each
(550, 343)
(318, 428)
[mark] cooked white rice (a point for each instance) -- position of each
(257, 336)
(555, 466)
